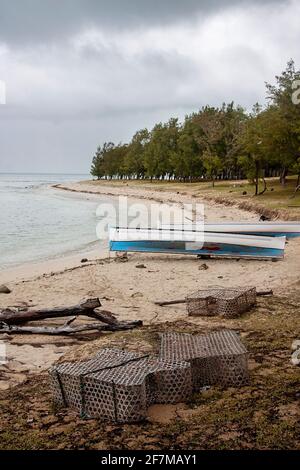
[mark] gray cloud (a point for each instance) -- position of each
(44, 20)
(81, 72)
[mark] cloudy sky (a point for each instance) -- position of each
(79, 72)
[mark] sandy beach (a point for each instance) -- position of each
(130, 292)
(149, 229)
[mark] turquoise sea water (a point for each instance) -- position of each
(39, 222)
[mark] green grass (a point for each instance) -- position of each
(276, 196)
(280, 200)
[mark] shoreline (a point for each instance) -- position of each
(131, 291)
(33, 269)
(161, 193)
(72, 260)
(129, 288)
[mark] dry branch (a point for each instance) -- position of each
(263, 293)
(170, 302)
(164, 303)
(87, 307)
(66, 329)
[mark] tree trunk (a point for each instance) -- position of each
(256, 181)
(265, 187)
(283, 175)
(296, 189)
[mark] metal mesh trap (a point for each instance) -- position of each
(227, 302)
(120, 385)
(218, 358)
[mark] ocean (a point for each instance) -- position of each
(38, 222)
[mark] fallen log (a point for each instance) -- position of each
(87, 307)
(66, 329)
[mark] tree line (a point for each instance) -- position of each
(215, 143)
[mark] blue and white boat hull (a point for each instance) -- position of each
(196, 243)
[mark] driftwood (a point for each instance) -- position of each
(183, 301)
(10, 319)
(264, 293)
(170, 302)
(66, 329)
(88, 308)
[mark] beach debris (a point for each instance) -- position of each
(66, 329)
(217, 358)
(296, 345)
(5, 336)
(120, 385)
(228, 302)
(10, 319)
(20, 305)
(87, 307)
(170, 302)
(136, 295)
(84, 260)
(4, 290)
(264, 293)
(295, 359)
(141, 266)
(203, 267)
(264, 218)
(123, 258)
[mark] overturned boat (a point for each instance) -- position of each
(269, 229)
(192, 242)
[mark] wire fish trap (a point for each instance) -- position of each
(218, 358)
(227, 302)
(119, 386)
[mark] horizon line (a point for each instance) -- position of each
(39, 173)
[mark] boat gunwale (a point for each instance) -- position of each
(206, 237)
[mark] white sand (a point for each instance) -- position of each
(128, 291)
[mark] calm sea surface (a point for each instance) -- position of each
(38, 222)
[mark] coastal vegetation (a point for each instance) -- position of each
(216, 144)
